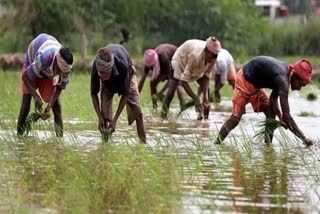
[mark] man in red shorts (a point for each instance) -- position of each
(44, 61)
(267, 72)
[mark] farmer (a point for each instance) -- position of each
(267, 72)
(113, 69)
(45, 59)
(224, 70)
(158, 60)
(193, 60)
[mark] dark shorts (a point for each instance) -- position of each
(132, 106)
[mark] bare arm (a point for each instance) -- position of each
(54, 96)
(32, 91)
(188, 89)
(274, 104)
(122, 103)
(217, 83)
(142, 80)
(205, 89)
(96, 105)
(288, 120)
(164, 88)
(27, 83)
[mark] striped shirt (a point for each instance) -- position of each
(40, 57)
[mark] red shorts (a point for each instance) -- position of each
(244, 93)
(44, 86)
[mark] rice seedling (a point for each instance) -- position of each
(307, 114)
(311, 96)
(178, 170)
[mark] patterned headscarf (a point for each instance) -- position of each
(62, 64)
(104, 60)
(151, 60)
(213, 45)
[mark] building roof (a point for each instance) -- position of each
(263, 3)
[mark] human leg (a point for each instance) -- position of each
(230, 124)
(24, 111)
(140, 128)
(169, 96)
(262, 104)
(239, 101)
(180, 92)
(57, 116)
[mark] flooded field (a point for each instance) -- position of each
(242, 175)
(179, 170)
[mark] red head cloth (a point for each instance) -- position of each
(213, 45)
(303, 69)
(151, 61)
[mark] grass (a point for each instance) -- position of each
(171, 174)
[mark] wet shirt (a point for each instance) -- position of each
(223, 63)
(165, 53)
(40, 57)
(191, 55)
(267, 72)
(122, 70)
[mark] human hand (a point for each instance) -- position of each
(206, 110)
(38, 103)
(46, 114)
(112, 127)
(197, 105)
(102, 125)
(283, 124)
(308, 142)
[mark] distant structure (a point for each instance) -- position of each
(270, 7)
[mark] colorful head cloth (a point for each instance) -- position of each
(151, 60)
(213, 45)
(62, 64)
(303, 69)
(104, 60)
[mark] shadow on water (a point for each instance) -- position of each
(243, 175)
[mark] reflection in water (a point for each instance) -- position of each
(263, 184)
(242, 175)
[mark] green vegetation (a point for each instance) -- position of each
(312, 96)
(307, 114)
(87, 25)
(176, 170)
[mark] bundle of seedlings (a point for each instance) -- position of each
(32, 119)
(267, 127)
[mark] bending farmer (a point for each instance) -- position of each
(267, 72)
(45, 59)
(114, 71)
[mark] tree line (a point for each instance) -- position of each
(86, 25)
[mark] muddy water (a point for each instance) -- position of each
(243, 174)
